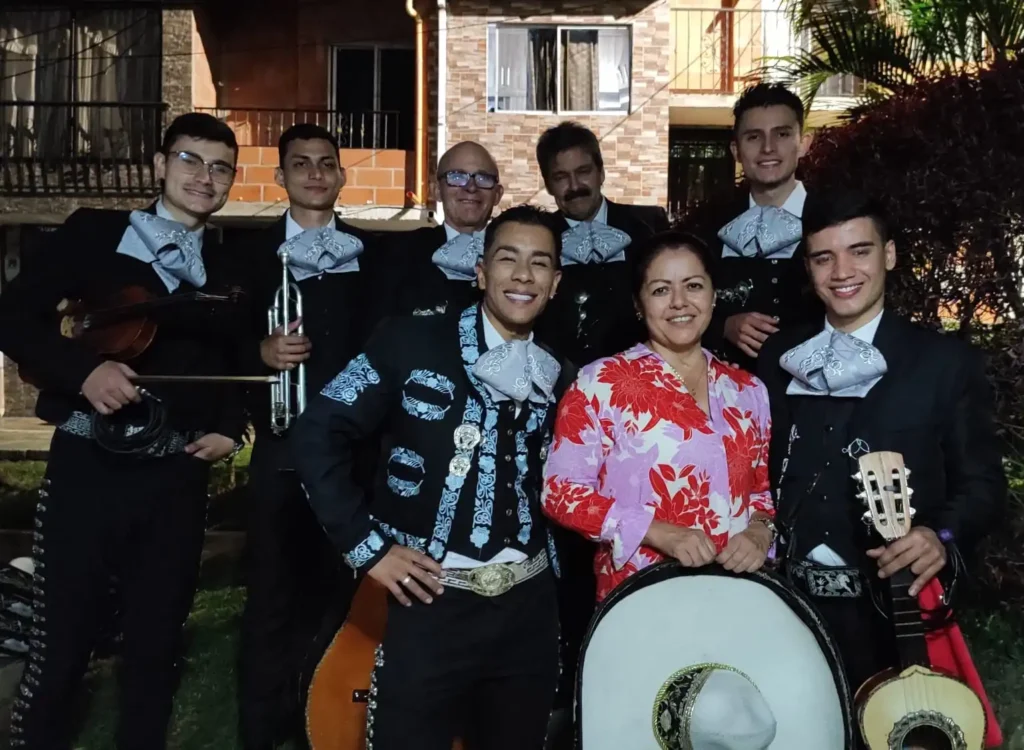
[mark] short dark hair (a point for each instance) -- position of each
(303, 131)
(563, 137)
(767, 95)
(525, 214)
(831, 207)
(201, 126)
(649, 250)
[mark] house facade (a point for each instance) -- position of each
(88, 86)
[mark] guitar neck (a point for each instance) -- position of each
(907, 621)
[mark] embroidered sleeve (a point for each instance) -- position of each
(572, 477)
(761, 493)
(348, 410)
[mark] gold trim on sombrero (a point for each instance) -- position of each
(689, 680)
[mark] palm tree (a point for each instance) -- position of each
(897, 45)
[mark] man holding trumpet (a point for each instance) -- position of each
(308, 285)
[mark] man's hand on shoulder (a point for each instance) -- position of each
(749, 331)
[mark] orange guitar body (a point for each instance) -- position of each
(340, 686)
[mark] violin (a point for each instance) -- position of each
(124, 324)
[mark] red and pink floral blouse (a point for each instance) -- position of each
(631, 445)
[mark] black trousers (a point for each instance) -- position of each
(100, 515)
(483, 668)
(295, 581)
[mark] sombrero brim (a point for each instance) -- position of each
(667, 618)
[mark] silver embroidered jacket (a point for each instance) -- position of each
(458, 469)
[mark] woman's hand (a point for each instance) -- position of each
(747, 551)
(691, 547)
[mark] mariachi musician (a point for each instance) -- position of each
(591, 317)
(433, 270)
(293, 575)
(125, 490)
(761, 278)
(864, 380)
(453, 531)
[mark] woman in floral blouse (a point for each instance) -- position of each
(662, 451)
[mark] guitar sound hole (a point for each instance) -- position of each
(926, 738)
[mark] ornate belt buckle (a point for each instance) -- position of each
(491, 580)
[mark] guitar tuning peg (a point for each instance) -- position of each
(910, 491)
(862, 495)
(913, 512)
(907, 472)
(857, 477)
(866, 518)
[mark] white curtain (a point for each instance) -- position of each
(513, 68)
(613, 60)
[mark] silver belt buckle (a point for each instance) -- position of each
(492, 580)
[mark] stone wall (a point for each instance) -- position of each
(177, 62)
(634, 145)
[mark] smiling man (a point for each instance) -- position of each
(762, 283)
(292, 573)
(433, 270)
(865, 379)
(135, 509)
(454, 531)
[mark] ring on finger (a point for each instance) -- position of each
(407, 580)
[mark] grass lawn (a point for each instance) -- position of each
(205, 714)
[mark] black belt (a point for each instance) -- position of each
(826, 581)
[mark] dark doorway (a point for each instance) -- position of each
(375, 96)
(700, 167)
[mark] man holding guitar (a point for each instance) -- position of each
(867, 380)
(126, 484)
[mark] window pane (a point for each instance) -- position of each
(521, 69)
(595, 71)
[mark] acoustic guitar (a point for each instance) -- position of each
(912, 707)
(339, 691)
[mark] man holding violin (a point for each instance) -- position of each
(126, 484)
(293, 574)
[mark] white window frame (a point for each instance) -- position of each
(559, 28)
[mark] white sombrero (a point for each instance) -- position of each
(678, 659)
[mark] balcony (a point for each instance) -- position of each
(376, 153)
(263, 127)
(79, 148)
(720, 51)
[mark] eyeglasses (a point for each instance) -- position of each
(193, 164)
(459, 178)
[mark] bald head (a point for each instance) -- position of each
(466, 152)
(467, 205)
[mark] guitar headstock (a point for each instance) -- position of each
(886, 492)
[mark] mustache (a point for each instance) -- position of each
(580, 193)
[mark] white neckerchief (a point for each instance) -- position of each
(823, 554)
(163, 213)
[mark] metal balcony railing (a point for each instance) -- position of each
(79, 148)
(364, 129)
(723, 50)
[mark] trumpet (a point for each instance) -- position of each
(287, 395)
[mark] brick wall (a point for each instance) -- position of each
(635, 146)
(375, 178)
(177, 62)
(296, 38)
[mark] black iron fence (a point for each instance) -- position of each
(365, 129)
(79, 148)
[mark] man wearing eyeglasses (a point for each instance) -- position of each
(134, 507)
(293, 574)
(434, 267)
